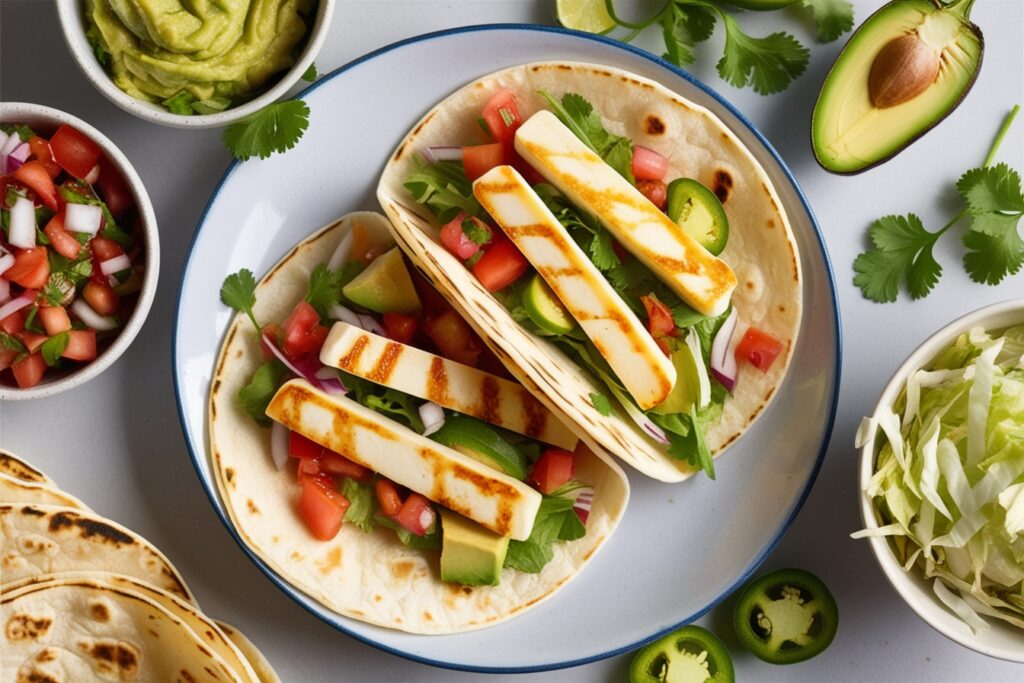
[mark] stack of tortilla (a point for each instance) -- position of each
(82, 598)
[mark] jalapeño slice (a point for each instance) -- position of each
(786, 616)
(699, 212)
(689, 655)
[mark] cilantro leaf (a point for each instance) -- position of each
(99, 48)
(992, 189)
(324, 289)
(399, 406)
(256, 395)
(832, 18)
(239, 293)
(477, 232)
(686, 439)
(12, 343)
(53, 347)
(531, 555)
(991, 257)
(428, 541)
(275, 128)
(601, 403)
(309, 75)
(180, 103)
(360, 503)
(769, 64)
(682, 27)
(443, 188)
(902, 245)
(579, 116)
(996, 204)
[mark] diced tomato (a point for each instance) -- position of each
(113, 190)
(29, 370)
(553, 469)
(100, 296)
(75, 153)
(663, 345)
(31, 268)
(303, 332)
(55, 319)
(416, 514)
(309, 467)
(301, 447)
(400, 327)
(458, 242)
(322, 508)
(759, 348)
(32, 340)
(387, 496)
(81, 345)
(64, 243)
(501, 114)
(343, 467)
(453, 337)
(479, 159)
(15, 322)
(660, 322)
(41, 151)
(648, 164)
(501, 265)
(7, 357)
(655, 190)
(36, 176)
(104, 249)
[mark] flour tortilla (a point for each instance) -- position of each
(84, 630)
(761, 247)
(264, 671)
(369, 577)
(20, 491)
(13, 466)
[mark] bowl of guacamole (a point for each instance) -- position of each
(188, 64)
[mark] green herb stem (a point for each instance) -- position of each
(637, 27)
(1007, 122)
(950, 224)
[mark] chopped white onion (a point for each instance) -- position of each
(9, 144)
(723, 359)
(22, 233)
(16, 158)
(6, 260)
(83, 218)
(279, 445)
(436, 154)
(341, 252)
(15, 305)
(432, 416)
(116, 264)
(3, 141)
(93, 175)
(100, 323)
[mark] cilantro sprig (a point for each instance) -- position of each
(275, 128)
(902, 246)
(239, 292)
(767, 64)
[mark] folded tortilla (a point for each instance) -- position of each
(370, 577)
(761, 249)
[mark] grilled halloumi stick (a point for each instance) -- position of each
(449, 384)
(449, 478)
(610, 324)
(702, 280)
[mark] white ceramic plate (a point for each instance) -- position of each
(681, 548)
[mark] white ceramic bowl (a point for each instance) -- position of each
(72, 23)
(1002, 640)
(36, 115)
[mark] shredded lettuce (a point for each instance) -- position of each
(948, 486)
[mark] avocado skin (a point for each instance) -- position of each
(762, 5)
(851, 46)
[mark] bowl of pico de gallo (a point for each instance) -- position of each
(79, 252)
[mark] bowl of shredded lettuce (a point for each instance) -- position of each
(942, 480)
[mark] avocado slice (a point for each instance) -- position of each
(544, 308)
(903, 71)
(483, 443)
(470, 554)
(384, 286)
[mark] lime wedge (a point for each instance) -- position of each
(584, 15)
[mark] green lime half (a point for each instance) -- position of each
(584, 15)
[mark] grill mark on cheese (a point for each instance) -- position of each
(351, 360)
(490, 401)
(385, 364)
(437, 382)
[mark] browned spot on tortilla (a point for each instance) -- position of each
(401, 569)
(377, 598)
(725, 136)
(424, 122)
(427, 616)
(19, 470)
(331, 561)
(750, 284)
(205, 651)
(655, 126)
(771, 198)
(770, 223)
(22, 627)
(398, 152)
(47, 655)
(31, 511)
(275, 538)
(99, 611)
(359, 613)
(213, 410)
(252, 507)
(89, 528)
(187, 677)
(296, 555)
(229, 474)
(239, 353)
(767, 397)
(782, 308)
(563, 67)
(277, 267)
(113, 658)
(722, 185)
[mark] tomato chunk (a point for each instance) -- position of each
(758, 348)
(501, 265)
(303, 332)
(479, 159)
(334, 463)
(29, 370)
(31, 268)
(74, 152)
(501, 115)
(416, 515)
(55, 319)
(35, 175)
(655, 190)
(464, 235)
(113, 190)
(322, 508)
(301, 447)
(453, 337)
(648, 164)
(660, 322)
(101, 297)
(387, 496)
(104, 249)
(64, 243)
(31, 339)
(400, 327)
(14, 323)
(553, 469)
(81, 345)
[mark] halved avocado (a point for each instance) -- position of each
(904, 70)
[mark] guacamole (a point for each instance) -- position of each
(196, 57)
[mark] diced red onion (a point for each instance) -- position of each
(363, 321)
(15, 305)
(584, 503)
(116, 264)
(3, 141)
(93, 175)
(83, 218)
(8, 146)
(432, 416)
(279, 445)
(269, 344)
(370, 324)
(656, 432)
(22, 233)
(330, 382)
(98, 322)
(16, 158)
(6, 260)
(436, 154)
(306, 368)
(723, 360)
(5, 289)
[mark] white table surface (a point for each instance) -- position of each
(116, 442)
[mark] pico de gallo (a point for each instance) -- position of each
(70, 259)
(705, 351)
(374, 289)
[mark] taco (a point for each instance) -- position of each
(404, 480)
(616, 246)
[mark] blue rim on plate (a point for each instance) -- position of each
(297, 595)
